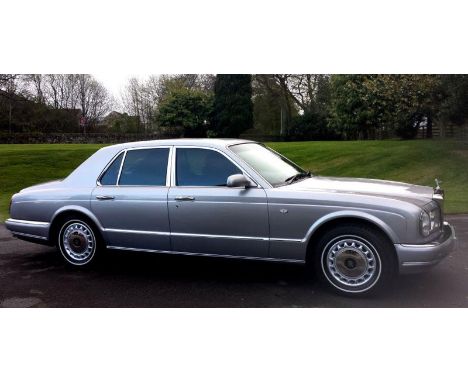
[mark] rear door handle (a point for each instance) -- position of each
(184, 198)
(104, 197)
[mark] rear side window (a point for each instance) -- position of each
(203, 167)
(145, 167)
(110, 176)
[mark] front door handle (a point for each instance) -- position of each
(104, 197)
(184, 198)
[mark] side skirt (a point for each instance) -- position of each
(207, 255)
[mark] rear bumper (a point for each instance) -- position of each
(28, 229)
(417, 258)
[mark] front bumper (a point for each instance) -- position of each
(417, 258)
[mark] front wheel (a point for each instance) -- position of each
(78, 242)
(355, 259)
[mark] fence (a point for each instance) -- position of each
(457, 132)
(79, 138)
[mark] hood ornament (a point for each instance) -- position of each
(437, 189)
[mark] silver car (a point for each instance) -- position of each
(236, 199)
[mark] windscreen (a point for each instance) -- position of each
(274, 168)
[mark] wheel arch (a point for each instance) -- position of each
(73, 210)
(331, 220)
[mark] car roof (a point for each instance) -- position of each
(87, 173)
(205, 142)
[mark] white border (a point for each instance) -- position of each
(233, 345)
(208, 36)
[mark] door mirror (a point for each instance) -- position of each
(239, 180)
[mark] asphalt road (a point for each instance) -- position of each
(33, 275)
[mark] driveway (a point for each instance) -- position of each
(32, 275)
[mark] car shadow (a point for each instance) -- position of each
(130, 279)
(174, 266)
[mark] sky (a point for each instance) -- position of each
(114, 82)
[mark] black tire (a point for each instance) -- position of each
(354, 260)
(79, 241)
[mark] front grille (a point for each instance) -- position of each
(439, 200)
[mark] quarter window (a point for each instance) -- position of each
(203, 167)
(145, 167)
(110, 176)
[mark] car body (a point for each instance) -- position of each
(226, 197)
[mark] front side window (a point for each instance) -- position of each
(109, 178)
(145, 167)
(274, 168)
(203, 167)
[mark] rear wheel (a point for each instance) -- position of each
(354, 259)
(78, 241)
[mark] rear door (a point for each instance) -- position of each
(131, 200)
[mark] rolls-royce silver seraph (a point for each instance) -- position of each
(236, 199)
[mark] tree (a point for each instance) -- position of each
(364, 106)
(93, 99)
(305, 93)
(6, 80)
(412, 99)
(70, 92)
(232, 107)
(116, 122)
(135, 102)
(266, 114)
(312, 126)
(59, 91)
(275, 87)
(62, 90)
(454, 94)
(142, 97)
(10, 88)
(170, 83)
(355, 109)
(187, 110)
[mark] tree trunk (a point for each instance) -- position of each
(9, 119)
(429, 126)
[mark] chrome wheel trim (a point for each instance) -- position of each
(360, 278)
(78, 242)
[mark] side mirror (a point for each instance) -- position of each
(239, 180)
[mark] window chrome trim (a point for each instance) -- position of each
(121, 167)
(114, 158)
(174, 166)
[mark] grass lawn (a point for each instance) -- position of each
(409, 161)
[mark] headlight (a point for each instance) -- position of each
(425, 223)
(430, 220)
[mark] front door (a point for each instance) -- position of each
(131, 200)
(206, 216)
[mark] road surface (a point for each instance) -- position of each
(33, 275)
